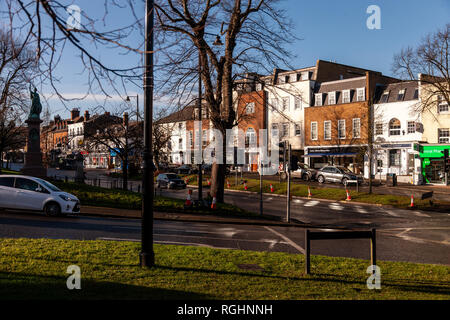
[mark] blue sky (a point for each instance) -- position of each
(330, 30)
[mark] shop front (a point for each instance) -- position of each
(433, 165)
(349, 157)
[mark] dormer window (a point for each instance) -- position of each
(401, 95)
(318, 99)
(332, 97)
(305, 75)
(360, 94)
(281, 80)
(346, 96)
(385, 97)
(416, 94)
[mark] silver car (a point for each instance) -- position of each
(338, 174)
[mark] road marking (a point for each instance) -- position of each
(420, 214)
(297, 201)
(292, 243)
(361, 210)
(335, 206)
(391, 213)
(311, 203)
(268, 199)
(192, 244)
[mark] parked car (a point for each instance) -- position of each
(305, 172)
(337, 174)
(184, 169)
(170, 181)
(30, 193)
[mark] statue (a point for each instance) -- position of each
(36, 106)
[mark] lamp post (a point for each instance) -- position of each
(216, 43)
(147, 255)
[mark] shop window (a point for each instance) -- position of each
(394, 127)
(394, 157)
(444, 135)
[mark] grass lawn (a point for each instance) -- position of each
(301, 190)
(36, 269)
(117, 198)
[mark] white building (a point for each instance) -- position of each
(397, 131)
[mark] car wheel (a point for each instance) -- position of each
(52, 209)
(344, 181)
(283, 175)
(321, 179)
(306, 177)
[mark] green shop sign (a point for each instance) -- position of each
(432, 151)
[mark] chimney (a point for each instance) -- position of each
(74, 113)
(125, 119)
(57, 118)
(86, 115)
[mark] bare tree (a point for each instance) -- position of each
(431, 59)
(162, 133)
(255, 34)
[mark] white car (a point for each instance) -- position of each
(30, 193)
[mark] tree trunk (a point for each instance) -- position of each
(125, 172)
(218, 172)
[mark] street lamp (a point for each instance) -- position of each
(137, 105)
(216, 43)
(147, 255)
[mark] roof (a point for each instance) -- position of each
(338, 86)
(187, 113)
(393, 89)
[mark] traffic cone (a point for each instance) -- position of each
(209, 182)
(309, 193)
(228, 184)
(213, 204)
(271, 188)
(188, 202)
(245, 186)
(412, 201)
(348, 195)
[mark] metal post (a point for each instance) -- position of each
(288, 167)
(200, 138)
(147, 255)
(236, 179)
(307, 253)
(260, 187)
(373, 249)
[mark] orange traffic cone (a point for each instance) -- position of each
(412, 201)
(188, 202)
(348, 195)
(245, 186)
(228, 184)
(213, 204)
(271, 188)
(309, 193)
(209, 182)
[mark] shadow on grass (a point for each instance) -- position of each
(19, 286)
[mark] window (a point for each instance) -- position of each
(411, 127)
(327, 130)
(401, 95)
(332, 97)
(250, 108)
(281, 80)
(360, 94)
(275, 129)
(356, 128)
(7, 182)
(318, 99)
(442, 105)
(298, 129)
(250, 137)
(346, 96)
(297, 103)
(191, 138)
(378, 128)
(444, 135)
(180, 126)
(285, 130)
(27, 184)
(385, 97)
(314, 130)
(394, 127)
(416, 94)
(204, 138)
(275, 103)
(285, 105)
(258, 86)
(394, 157)
(180, 143)
(341, 129)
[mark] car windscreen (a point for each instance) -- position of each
(172, 176)
(345, 170)
(48, 185)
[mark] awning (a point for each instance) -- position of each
(339, 154)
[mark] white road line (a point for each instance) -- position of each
(297, 201)
(391, 213)
(361, 210)
(193, 244)
(335, 206)
(292, 243)
(311, 203)
(420, 214)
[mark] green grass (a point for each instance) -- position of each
(36, 269)
(7, 171)
(117, 198)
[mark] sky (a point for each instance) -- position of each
(328, 30)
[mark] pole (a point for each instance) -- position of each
(288, 167)
(260, 187)
(307, 253)
(147, 256)
(200, 139)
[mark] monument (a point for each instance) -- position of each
(33, 157)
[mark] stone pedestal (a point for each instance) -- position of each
(33, 157)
